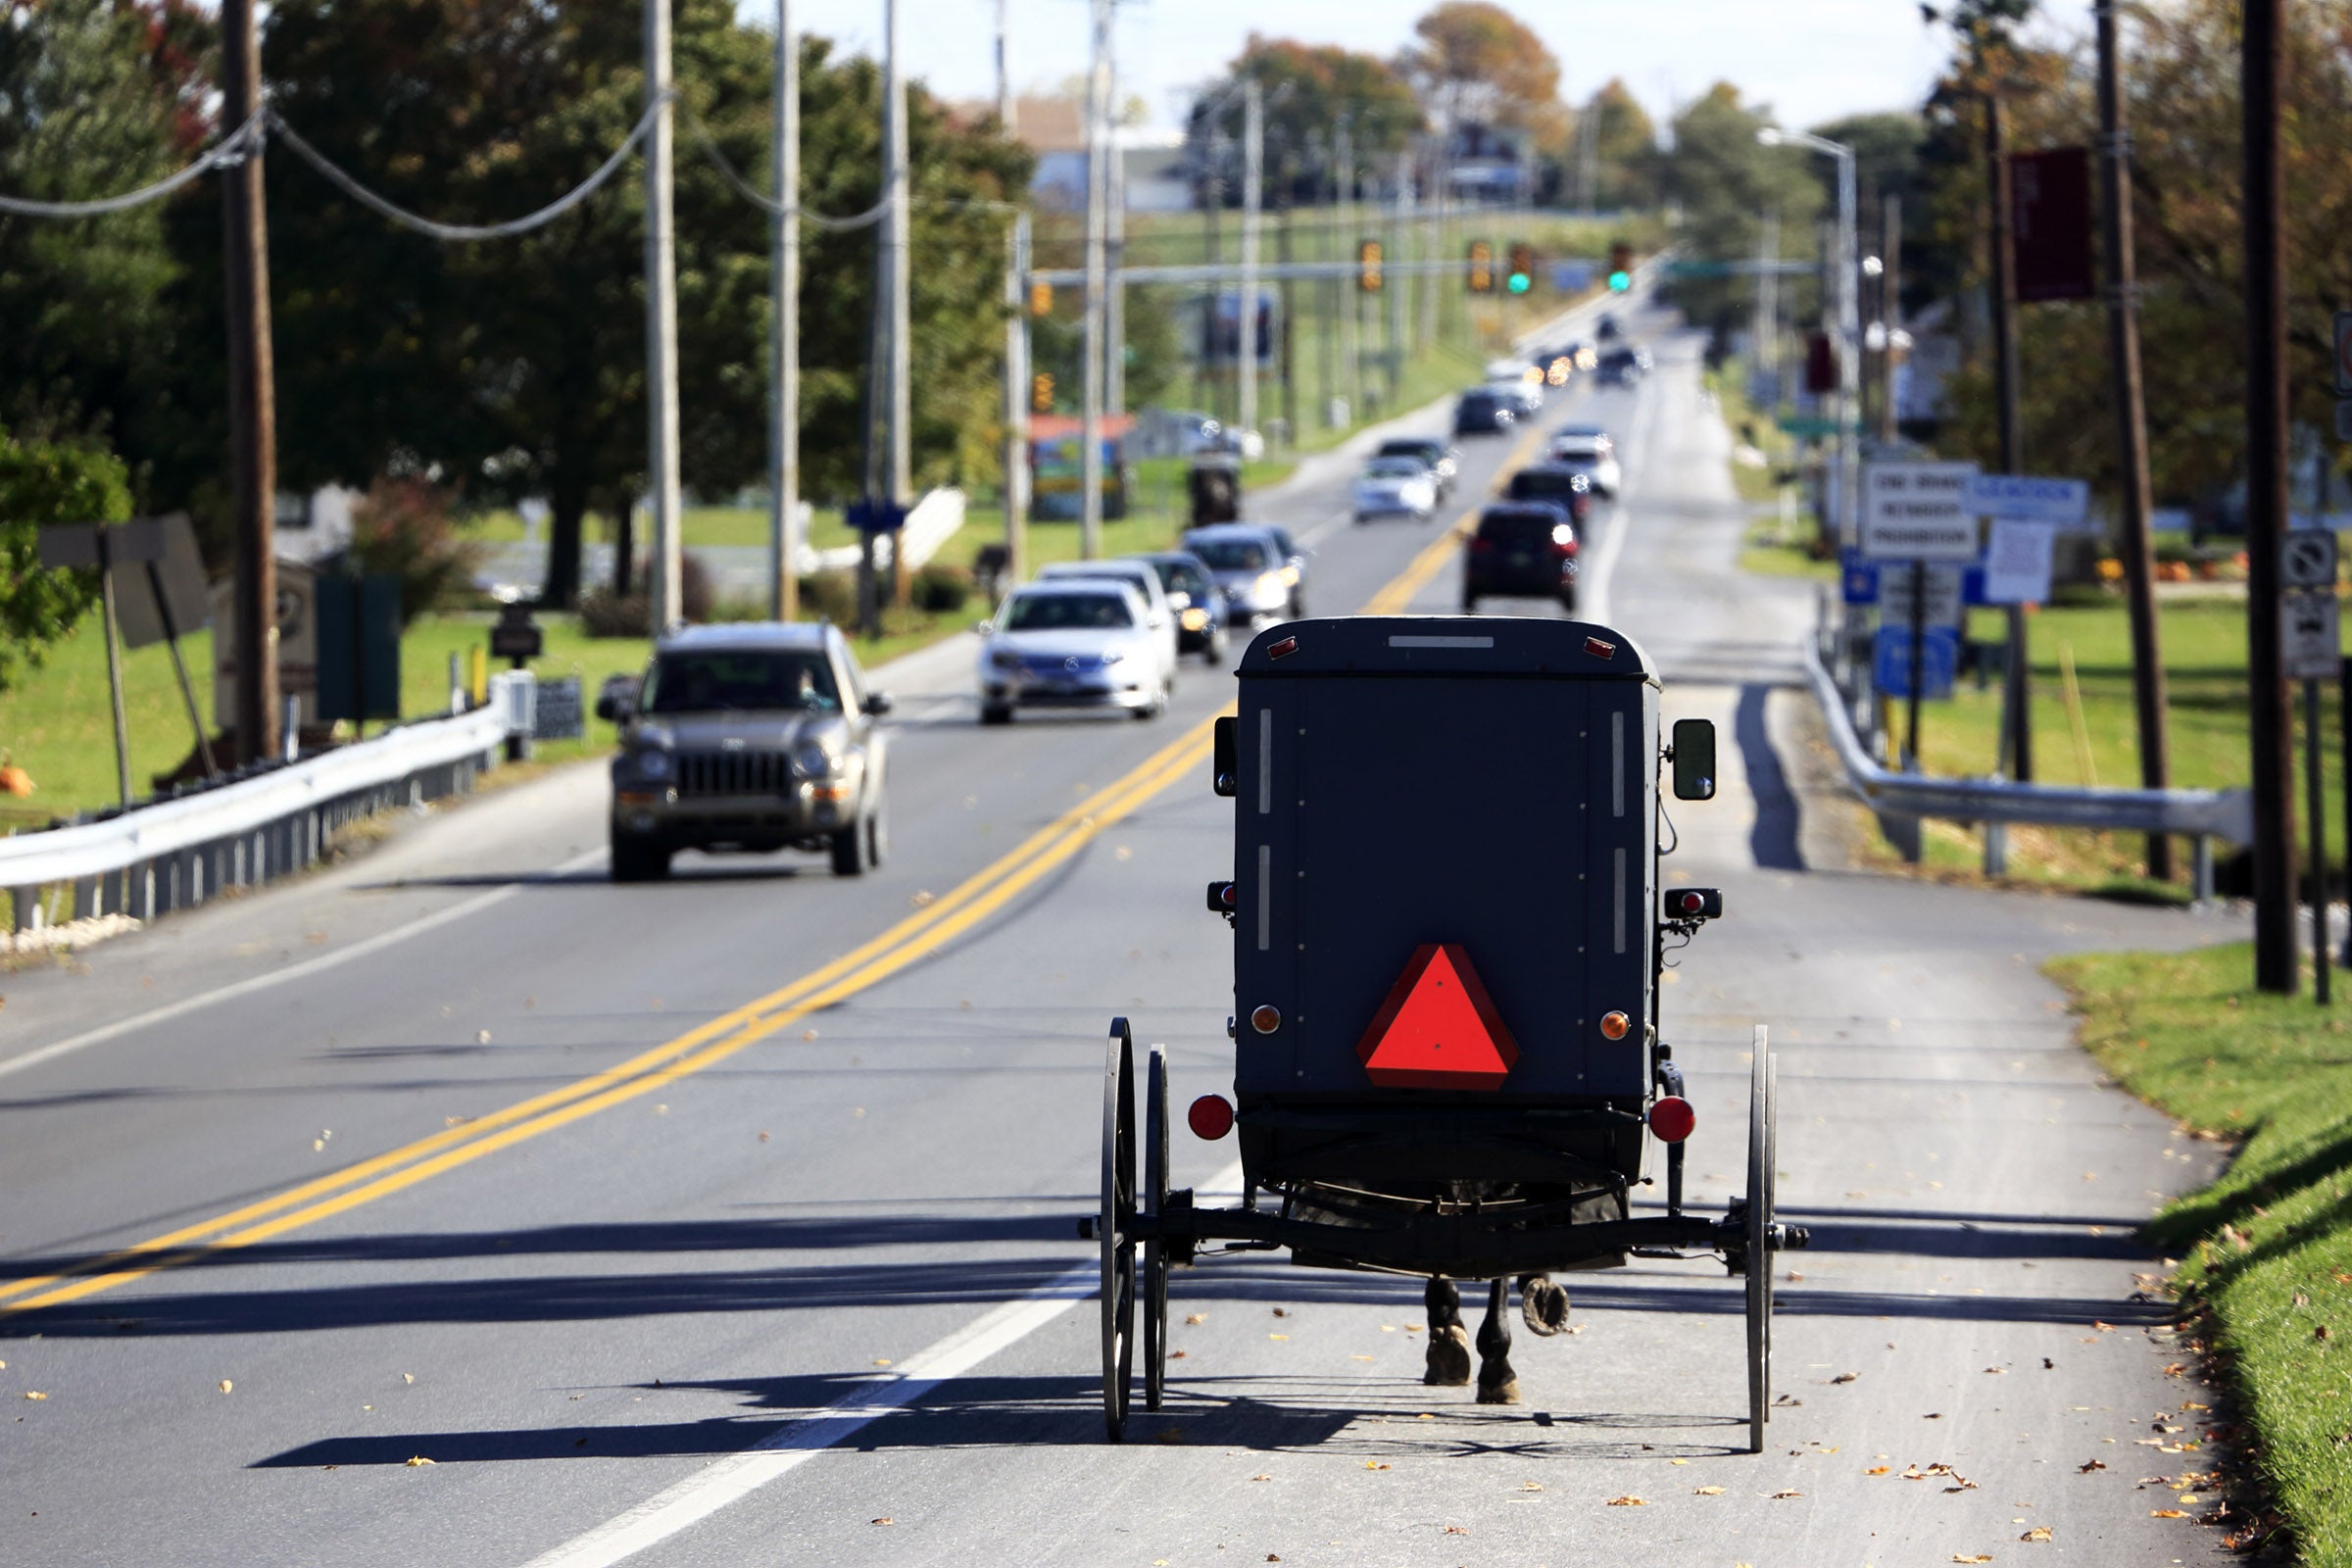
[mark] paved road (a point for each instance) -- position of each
(728, 1221)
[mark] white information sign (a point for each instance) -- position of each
(1918, 512)
(1942, 608)
(2017, 560)
(2030, 498)
(2309, 638)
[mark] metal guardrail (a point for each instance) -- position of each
(2202, 814)
(175, 854)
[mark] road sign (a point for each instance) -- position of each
(875, 515)
(1943, 606)
(2343, 355)
(2030, 498)
(1437, 1029)
(1890, 661)
(2017, 560)
(1918, 512)
(2307, 560)
(556, 715)
(1809, 428)
(2309, 639)
(1860, 584)
(515, 635)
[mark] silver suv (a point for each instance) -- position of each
(748, 737)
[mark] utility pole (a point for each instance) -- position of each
(898, 177)
(784, 455)
(1850, 354)
(1114, 222)
(1351, 316)
(252, 395)
(1253, 168)
(1005, 104)
(1768, 301)
(1089, 424)
(667, 605)
(1396, 285)
(1285, 289)
(1891, 306)
(2131, 428)
(2276, 964)
(2017, 694)
(1016, 398)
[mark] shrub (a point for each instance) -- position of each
(402, 530)
(831, 596)
(44, 483)
(605, 613)
(941, 589)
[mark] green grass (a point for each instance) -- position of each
(2268, 1247)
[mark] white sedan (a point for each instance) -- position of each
(1396, 486)
(1588, 447)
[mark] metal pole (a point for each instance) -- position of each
(1397, 286)
(2017, 695)
(252, 397)
(2315, 796)
(2131, 428)
(1114, 228)
(1850, 354)
(784, 448)
(902, 277)
(1919, 637)
(1005, 104)
(1352, 300)
(1768, 280)
(113, 659)
(2275, 934)
(179, 669)
(1017, 400)
(1284, 341)
(660, 330)
(1891, 304)
(1254, 160)
(1090, 425)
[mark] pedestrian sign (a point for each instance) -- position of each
(1859, 577)
(1939, 660)
(2310, 640)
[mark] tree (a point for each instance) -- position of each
(1727, 181)
(44, 482)
(1477, 63)
(1308, 91)
(1624, 148)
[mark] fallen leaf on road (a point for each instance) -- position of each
(1708, 1492)
(2088, 1465)
(1933, 1415)
(1282, 1311)
(884, 1520)
(481, 1037)
(1629, 1500)
(418, 1460)
(764, 1138)
(1374, 1464)
(1788, 1491)
(1195, 1317)
(2103, 1328)
(1178, 1355)
(881, 1360)
(34, 1394)
(1531, 1485)
(1456, 1530)
(920, 898)
(1981, 1556)
(2038, 1532)
(1412, 1328)
(1425, 1416)
(2167, 1513)
(1261, 1477)
(408, 1377)
(1277, 1336)
(1878, 1469)
(1847, 1377)
(225, 1385)
(1359, 1359)
(1677, 1461)
(1995, 1371)
(807, 1034)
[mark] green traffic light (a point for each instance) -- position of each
(1518, 284)
(1619, 282)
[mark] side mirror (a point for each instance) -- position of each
(984, 628)
(617, 699)
(1693, 760)
(1225, 767)
(877, 702)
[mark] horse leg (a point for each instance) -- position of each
(1449, 1360)
(1497, 1384)
(1542, 1305)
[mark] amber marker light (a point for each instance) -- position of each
(1615, 1024)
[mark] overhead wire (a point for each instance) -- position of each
(229, 150)
(768, 204)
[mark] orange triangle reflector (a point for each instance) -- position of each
(1438, 1028)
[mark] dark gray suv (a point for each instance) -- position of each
(750, 738)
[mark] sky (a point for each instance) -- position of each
(1809, 60)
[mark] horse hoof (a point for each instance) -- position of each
(1542, 1305)
(1502, 1391)
(1449, 1360)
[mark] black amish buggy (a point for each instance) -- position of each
(1448, 938)
(1215, 489)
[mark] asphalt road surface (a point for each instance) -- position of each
(729, 1219)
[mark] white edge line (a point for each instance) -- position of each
(738, 1476)
(296, 971)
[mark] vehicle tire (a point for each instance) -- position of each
(636, 861)
(1568, 599)
(1214, 654)
(1361, 520)
(849, 850)
(1297, 608)
(877, 834)
(1469, 604)
(1153, 1201)
(1115, 1228)
(995, 714)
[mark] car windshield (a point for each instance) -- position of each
(1231, 555)
(1408, 449)
(1181, 577)
(1068, 612)
(731, 680)
(1392, 468)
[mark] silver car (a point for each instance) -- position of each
(1159, 613)
(748, 737)
(1396, 486)
(1262, 574)
(1073, 642)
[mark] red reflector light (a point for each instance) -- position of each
(1283, 649)
(1690, 902)
(1211, 1117)
(1670, 1118)
(1599, 649)
(1265, 1018)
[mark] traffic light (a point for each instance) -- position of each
(1621, 266)
(1522, 276)
(1041, 393)
(1482, 267)
(1041, 298)
(1367, 266)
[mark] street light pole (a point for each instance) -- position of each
(1254, 160)
(784, 457)
(1090, 431)
(667, 603)
(1847, 512)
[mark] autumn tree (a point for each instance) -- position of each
(1615, 131)
(1727, 181)
(1309, 91)
(1477, 63)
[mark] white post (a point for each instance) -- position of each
(1849, 355)
(1090, 433)
(1016, 398)
(898, 175)
(784, 338)
(660, 331)
(1254, 160)
(1004, 105)
(1115, 220)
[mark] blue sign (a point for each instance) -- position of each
(1861, 577)
(1940, 661)
(875, 517)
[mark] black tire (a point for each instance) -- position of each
(1361, 518)
(636, 861)
(996, 713)
(1758, 1243)
(851, 850)
(1154, 1202)
(877, 834)
(1115, 1228)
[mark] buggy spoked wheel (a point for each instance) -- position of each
(1155, 1246)
(1115, 1227)
(1761, 1080)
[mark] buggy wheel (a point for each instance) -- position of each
(1760, 1242)
(1116, 1227)
(1155, 1246)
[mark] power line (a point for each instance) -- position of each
(768, 204)
(230, 149)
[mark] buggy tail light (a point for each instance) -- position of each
(1671, 1118)
(1615, 1024)
(1211, 1117)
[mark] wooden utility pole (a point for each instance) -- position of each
(1891, 306)
(2017, 690)
(1016, 398)
(2276, 966)
(2131, 428)
(1098, 270)
(252, 396)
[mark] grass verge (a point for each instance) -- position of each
(2266, 1250)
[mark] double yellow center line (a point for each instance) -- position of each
(912, 940)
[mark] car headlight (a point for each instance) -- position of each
(1290, 577)
(1196, 620)
(1114, 656)
(653, 764)
(811, 760)
(1269, 582)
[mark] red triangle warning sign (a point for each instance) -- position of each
(1437, 1029)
